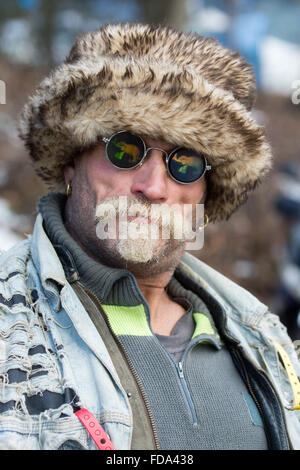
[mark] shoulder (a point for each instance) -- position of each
(15, 256)
(236, 300)
(247, 317)
(14, 277)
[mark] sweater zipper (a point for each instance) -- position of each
(186, 392)
(178, 367)
(131, 367)
(183, 383)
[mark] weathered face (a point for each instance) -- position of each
(96, 181)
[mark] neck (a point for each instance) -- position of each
(154, 290)
(164, 312)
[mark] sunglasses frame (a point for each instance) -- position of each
(146, 150)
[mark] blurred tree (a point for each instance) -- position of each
(28, 4)
(9, 10)
(172, 12)
(47, 20)
(47, 28)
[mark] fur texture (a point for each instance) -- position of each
(156, 81)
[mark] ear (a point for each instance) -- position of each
(69, 172)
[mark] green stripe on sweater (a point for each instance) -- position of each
(203, 325)
(130, 321)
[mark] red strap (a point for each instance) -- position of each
(95, 429)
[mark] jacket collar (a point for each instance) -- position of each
(44, 256)
(233, 298)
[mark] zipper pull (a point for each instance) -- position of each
(180, 370)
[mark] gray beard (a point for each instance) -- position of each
(139, 251)
(140, 257)
(128, 254)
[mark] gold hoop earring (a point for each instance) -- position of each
(206, 220)
(69, 189)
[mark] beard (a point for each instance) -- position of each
(144, 238)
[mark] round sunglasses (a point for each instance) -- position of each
(127, 151)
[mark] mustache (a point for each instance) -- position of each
(137, 206)
(169, 219)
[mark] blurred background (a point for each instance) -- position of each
(259, 247)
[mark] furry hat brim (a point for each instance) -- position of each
(148, 81)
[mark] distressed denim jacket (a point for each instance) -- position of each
(54, 362)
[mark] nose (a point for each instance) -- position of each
(151, 179)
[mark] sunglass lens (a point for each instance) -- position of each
(125, 150)
(186, 166)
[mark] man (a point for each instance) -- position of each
(129, 341)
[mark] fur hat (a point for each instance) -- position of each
(153, 80)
